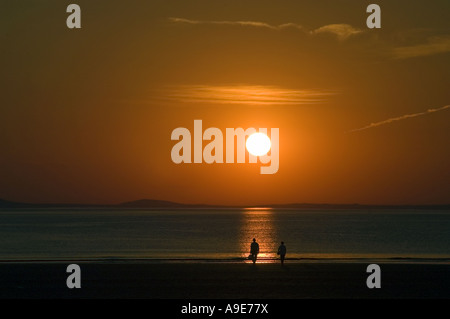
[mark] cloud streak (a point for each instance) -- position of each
(230, 23)
(244, 94)
(435, 45)
(400, 118)
(341, 31)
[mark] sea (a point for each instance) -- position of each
(224, 235)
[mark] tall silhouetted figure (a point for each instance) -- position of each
(282, 252)
(254, 250)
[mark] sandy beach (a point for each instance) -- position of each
(223, 280)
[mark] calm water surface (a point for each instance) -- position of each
(223, 234)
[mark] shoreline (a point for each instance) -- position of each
(219, 280)
(237, 260)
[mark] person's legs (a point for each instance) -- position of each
(282, 259)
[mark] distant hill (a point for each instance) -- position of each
(153, 203)
(8, 204)
(137, 204)
(161, 204)
(355, 206)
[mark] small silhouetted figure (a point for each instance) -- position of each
(282, 252)
(254, 250)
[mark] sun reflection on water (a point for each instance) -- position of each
(259, 223)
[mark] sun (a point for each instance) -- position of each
(258, 144)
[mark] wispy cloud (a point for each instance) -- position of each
(400, 118)
(244, 94)
(342, 31)
(435, 45)
(231, 23)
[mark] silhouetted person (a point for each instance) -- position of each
(254, 250)
(282, 252)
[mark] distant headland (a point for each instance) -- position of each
(162, 204)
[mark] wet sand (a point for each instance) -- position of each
(223, 280)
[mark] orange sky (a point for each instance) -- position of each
(86, 115)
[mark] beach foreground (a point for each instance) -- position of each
(216, 280)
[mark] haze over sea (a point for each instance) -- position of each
(223, 234)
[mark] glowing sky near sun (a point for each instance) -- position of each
(86, 115)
